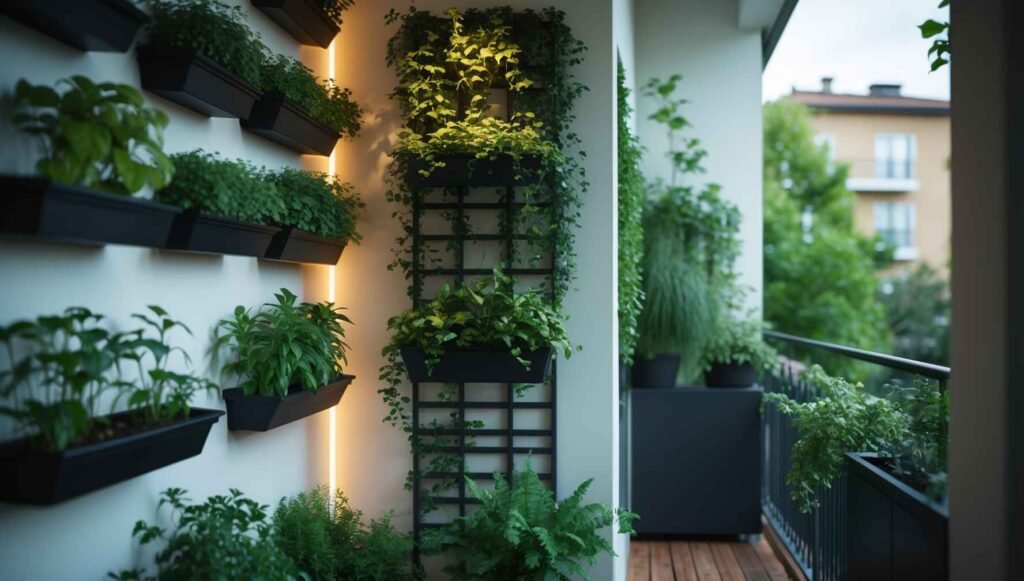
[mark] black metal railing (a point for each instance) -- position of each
(816, 540)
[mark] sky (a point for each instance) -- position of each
(858, 43)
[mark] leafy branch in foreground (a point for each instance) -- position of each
(940, 49)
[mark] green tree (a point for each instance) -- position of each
(820, 279)
(918, 305)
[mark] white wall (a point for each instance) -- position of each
(721, 68)
(373, 458)
(88, 536)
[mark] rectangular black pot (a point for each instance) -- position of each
(279, 120)
(197, 232)
(468, 171)
(41, 208)
(477, 365)
(48, 478)
(196, 82)
(89, 25)
(293, 245)
(259, 413)
(892, 530)
(305, 20)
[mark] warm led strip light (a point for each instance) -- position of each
(332, 414)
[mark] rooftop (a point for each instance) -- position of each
(881, 98)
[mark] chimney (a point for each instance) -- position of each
(826, 84)
(880, 90)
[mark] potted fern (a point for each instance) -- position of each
(88, 25)
(735, 354)
(311, 22)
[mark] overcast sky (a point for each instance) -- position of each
(858, 42)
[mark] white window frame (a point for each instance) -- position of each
(888, 216)
(890, 162)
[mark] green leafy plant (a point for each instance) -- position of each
(940, 50)
(282, 344)
(631, 227)
(330, 541)
(228, 537)
(97, 135)
(317, 203)
(321, 99)
(739, 341)
(521, 532)
(918, 306)
(232, 189)
(335, 8)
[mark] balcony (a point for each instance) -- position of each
(882, 175)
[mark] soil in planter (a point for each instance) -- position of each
(108, 428)
(917, 480)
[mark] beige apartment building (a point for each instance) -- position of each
(898, 151)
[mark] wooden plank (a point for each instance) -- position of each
(728, 567)
(682, 562)
(704, 562)
(661, 562)
(775, 569)
(639, 561)
(793, 569)
(750, 563)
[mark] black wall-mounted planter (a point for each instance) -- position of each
(48, 478)
(892, 531)
(730, 375)
(477, 365)
(658, 372)
(468, 171)
(196, 82)
(293, 245)
(279, 120)
(196, 232)
(260, 413)
(305, 20)
(89, 25)
(41, 208)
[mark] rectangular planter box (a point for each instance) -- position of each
(477, 365)
(468, 171)
(197, 232)
(196, 82)
(892, 530)
(279, 120)
(293, 245)
(41, 208)
(305, 20)
(48, 478)
(260, 413)
(89, 25)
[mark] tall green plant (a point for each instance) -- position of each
(318, 203)
(631, 227)
(97, 135)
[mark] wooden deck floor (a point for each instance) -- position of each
(703, 561)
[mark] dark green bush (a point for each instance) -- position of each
(232, 189)
(321, 99)
(334, 8)
(317, 203)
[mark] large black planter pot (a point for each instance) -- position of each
(892, 530)
(281, 121)
(659, 371)
(89, 25)
(730, 375)
(48, 478)
(41, 208)
(260, 413)
(305, 20)
(468, 171)
(196, 232)
(477, 365)
(291, 245)
(196, 82)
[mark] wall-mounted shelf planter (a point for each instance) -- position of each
(279, 120)
(259, 413)
(41, 208)
(293, 245)
(197, 232)
(305, 20)
(48, 478)
(468, 171)
(196, 82)
(730, 375)
(477, 365)
(89, 25)
(892, 530)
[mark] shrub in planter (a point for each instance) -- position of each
(320, 99)
(315, 202)
(521, 532)
(735, 353)
(329, 542)
(228, 537)
(232, 189)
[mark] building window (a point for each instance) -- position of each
(894, 155)
(828, 141)
(894, 223)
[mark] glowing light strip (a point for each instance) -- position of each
(332, 414)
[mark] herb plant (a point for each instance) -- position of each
(631, 228)
(739, 341)
(283, 344)
(232, 189)
(521, 532)
(317, 203)
(97, 135)
(228, 538)
(322, 100)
